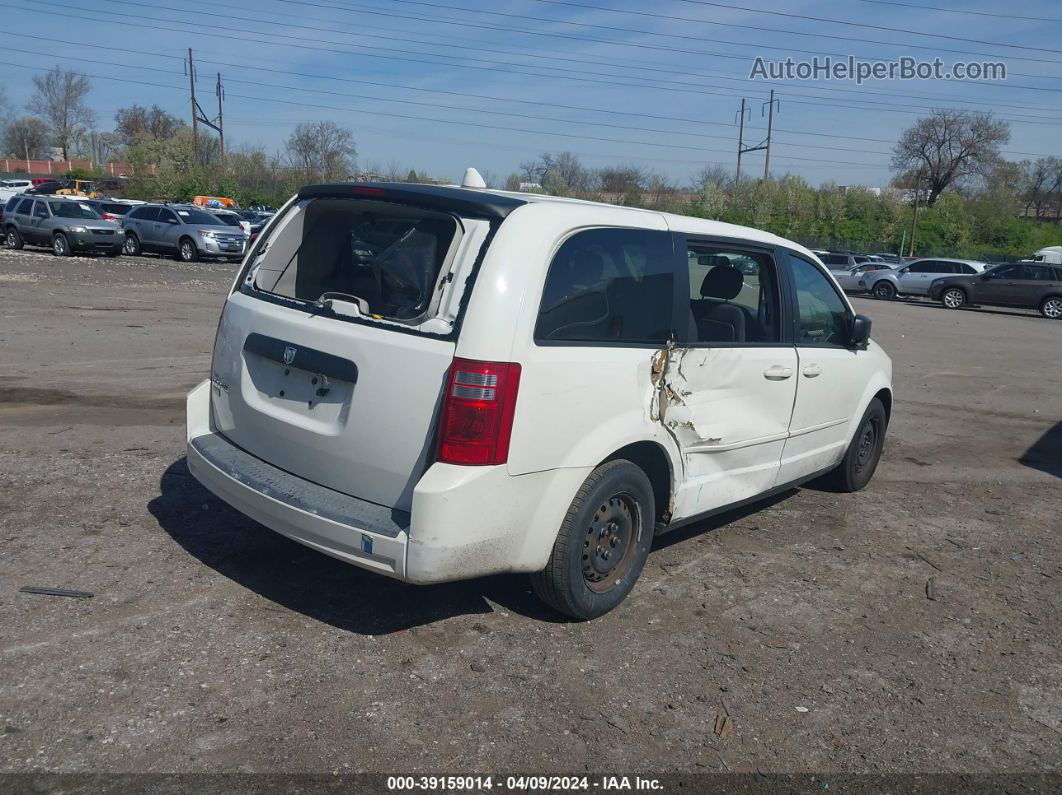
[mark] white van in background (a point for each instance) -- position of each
(1052, 255)
(437, 383)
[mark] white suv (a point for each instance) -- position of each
(438, 383)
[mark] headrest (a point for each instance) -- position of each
(714, 260)
(588, 266)
(724, 283)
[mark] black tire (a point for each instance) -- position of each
(60, 245)
(13, 238)
(862, 456)
(187, 250)
(613, 510)
(131, 247)
(953, 298)
(884, 290)
(1051, 307)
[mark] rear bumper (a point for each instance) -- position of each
(465, 521)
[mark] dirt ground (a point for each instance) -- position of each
(914, 626)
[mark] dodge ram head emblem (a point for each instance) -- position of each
(289, 354)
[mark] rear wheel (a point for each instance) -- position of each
(60, 245)
(884, 289)
(1051, 307)
(861, 459)
(953, 298)
(603, 543)
(131, 247)
(13, 238)
(186, 250)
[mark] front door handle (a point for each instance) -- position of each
(778, 373)
(812, 371)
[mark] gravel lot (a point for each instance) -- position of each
(912, 627)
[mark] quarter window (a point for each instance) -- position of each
(734, 295)
(610, 285)
(822, 315)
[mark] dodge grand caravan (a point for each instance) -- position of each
(437, 383)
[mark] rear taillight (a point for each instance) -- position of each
(110, 217)
(477, 412)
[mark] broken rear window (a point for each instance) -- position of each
(385, 258)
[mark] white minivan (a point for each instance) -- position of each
(437, 383)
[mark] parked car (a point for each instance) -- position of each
(112, 209)
(849, 279)
(1028, 285)
(12, 187)
(895, 259)
(915, 277)
(232, 219)
(64, 224)
(436, 383)
(187, 232)
(842, 260)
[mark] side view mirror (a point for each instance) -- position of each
(860, 330)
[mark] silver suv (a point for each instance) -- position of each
(185, 231)
(64, 224)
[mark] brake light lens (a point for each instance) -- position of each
(477, 412)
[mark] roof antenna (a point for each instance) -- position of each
(473, 179)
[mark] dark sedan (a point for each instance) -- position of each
(1027, 285)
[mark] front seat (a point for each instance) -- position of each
(717, 319)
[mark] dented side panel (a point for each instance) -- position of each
(728, 411)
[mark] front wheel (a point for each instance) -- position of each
(60, 245)
(953, 298)
(603, 543)
(131, 246)
(1051, 307)
(14, 239)
(187, 252)
(884, 290)
(863, 453)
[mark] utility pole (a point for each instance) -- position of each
(741, 142)
(765, 144)
(199, 117)
(220, 90)
(914, 215)
(195, 109)
(770, 127)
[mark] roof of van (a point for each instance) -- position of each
(492, 203)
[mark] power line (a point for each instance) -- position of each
(446, 121)
(906, 31)
(758, 28)
(567, 59)
(494, 67)
(961, 11)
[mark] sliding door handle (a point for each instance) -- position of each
(778, 373)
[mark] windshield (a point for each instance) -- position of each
(73, 210)
(193, 216)
(389, 256)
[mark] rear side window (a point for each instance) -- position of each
(145, 214)
(385, 258)
(610, 285)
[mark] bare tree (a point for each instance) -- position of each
(950, 146)
(322, 150)
(621, 179)
(713, 176)
(25, 137)
(137, 122)
(4, 105)
(1041, 184)
(60, 100)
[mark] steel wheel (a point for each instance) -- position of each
(607, 547)
(1052, 308)
(953, 298)
(884, 290)
(867, 443)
